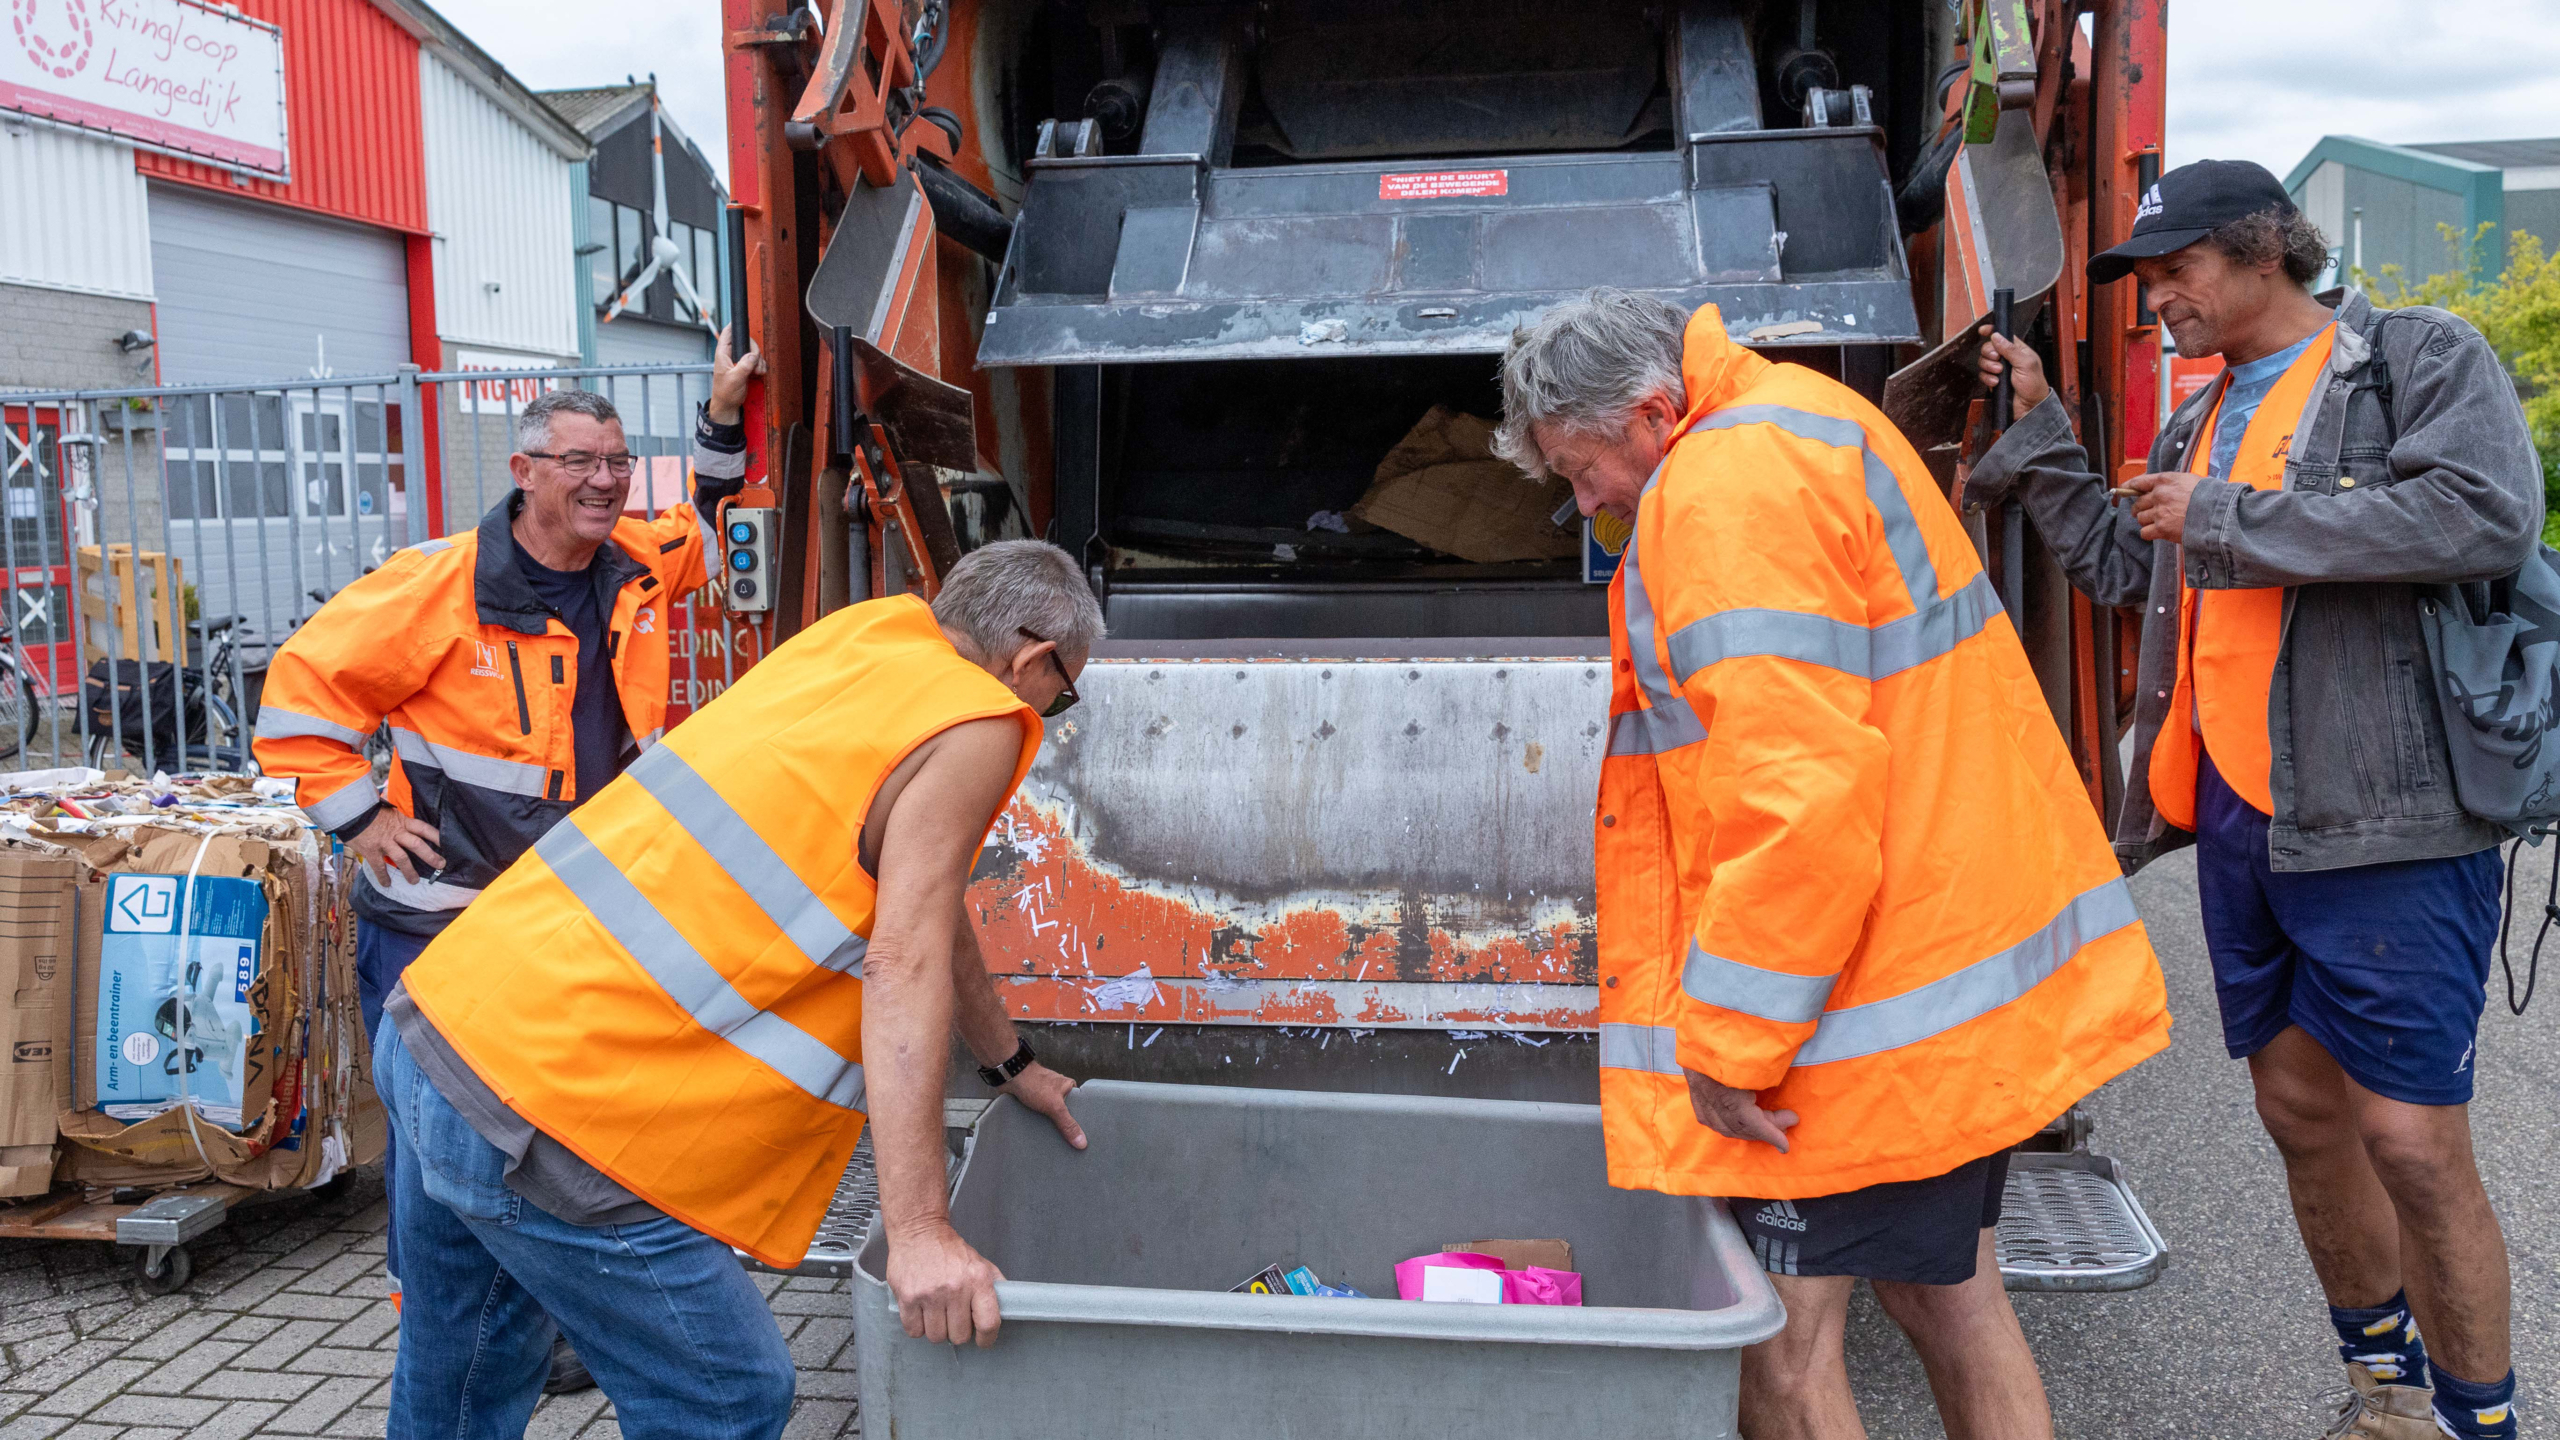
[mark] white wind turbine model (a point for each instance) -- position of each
(663, 254)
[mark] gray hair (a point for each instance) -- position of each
(1001, 589)
(1586, 365)
(533, 423)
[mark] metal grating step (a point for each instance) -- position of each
(2071, 1222)
(848, 1221)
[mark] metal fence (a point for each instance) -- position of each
(161, 542)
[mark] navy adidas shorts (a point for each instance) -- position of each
(1918, 1232)
(2386, 966)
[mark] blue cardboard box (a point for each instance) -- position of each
(178, 996)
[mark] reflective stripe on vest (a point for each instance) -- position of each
(748, 861)
(507, 777)
(1933, 627)
(1909, 1018)
(1667, 723)
(276, 724)
(347, 804)
(616, 905)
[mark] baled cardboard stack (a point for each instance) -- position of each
(307, 1109)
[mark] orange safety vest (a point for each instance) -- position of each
(2229, 638)
(669, 982)
(1844, 859)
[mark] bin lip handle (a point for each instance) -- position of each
(1752, 1318)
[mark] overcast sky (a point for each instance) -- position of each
(2248, 79)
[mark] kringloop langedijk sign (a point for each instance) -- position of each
(172, 74)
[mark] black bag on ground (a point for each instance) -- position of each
(131, 706)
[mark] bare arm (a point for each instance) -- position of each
(945, 1289)
(989, 1034)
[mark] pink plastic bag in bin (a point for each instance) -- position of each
(1533, 1286)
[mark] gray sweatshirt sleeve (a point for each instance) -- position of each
(2039, 463)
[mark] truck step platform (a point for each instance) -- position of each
(848, 1220)
(2070, 1222)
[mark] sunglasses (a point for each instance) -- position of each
(1067, 698)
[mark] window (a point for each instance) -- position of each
(706, 273)
(682, 234)
(602, 278)
(628, 241)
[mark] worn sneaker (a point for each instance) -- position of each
(568, 1372)
(2371, 1410)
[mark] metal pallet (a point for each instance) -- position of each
(2070, 1222)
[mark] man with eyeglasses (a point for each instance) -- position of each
(520, 666)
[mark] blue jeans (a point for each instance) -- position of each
(380, 957)
(668, 1323)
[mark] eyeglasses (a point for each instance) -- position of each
(581, 464)
(1067, 698)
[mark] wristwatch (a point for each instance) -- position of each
(999, 1075)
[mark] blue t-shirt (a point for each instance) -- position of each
(596, 726)
(2249, 385)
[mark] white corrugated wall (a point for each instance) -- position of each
(73, 214)
(499, 201)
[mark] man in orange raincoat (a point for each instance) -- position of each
(1860, 932)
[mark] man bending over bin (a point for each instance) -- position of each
(658, 1035)
(1859, 930)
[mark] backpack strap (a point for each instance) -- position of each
(2377, 376)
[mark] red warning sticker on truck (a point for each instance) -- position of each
(1444, 184)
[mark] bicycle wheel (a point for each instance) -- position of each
(17, 709)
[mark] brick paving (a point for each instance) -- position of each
(285, 1331)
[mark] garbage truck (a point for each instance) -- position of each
(1209, 294)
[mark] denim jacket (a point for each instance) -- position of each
(2361, 774)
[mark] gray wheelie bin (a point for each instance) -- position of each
(1118, 1323)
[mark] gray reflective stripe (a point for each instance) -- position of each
(744, 856)
(1888, 649)
(420, 894)
(712, 553)
(275, 724)
(1751, 990)
(1653, 1048)
(346, 804)
(1901, 527)
(429, 547)
(652, 738)
(1670, 723)
(690, 980)
(511, 777)
(1803, 424)
(1974, 991)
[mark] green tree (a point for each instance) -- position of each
(2518, 312)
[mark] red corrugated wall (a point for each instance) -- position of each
(357, 146)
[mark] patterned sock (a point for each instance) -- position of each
(2471, 1411)
(2383, 1340)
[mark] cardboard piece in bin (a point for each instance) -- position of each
(1520, 1254)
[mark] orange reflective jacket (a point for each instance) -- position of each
(669, 984)
(2229, 639)
(449, 643)
(1843, 856)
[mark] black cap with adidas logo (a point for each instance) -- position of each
(2186, 205)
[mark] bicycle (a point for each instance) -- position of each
(18, 703)
(207, 710)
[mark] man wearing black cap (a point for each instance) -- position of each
(2286, 724)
